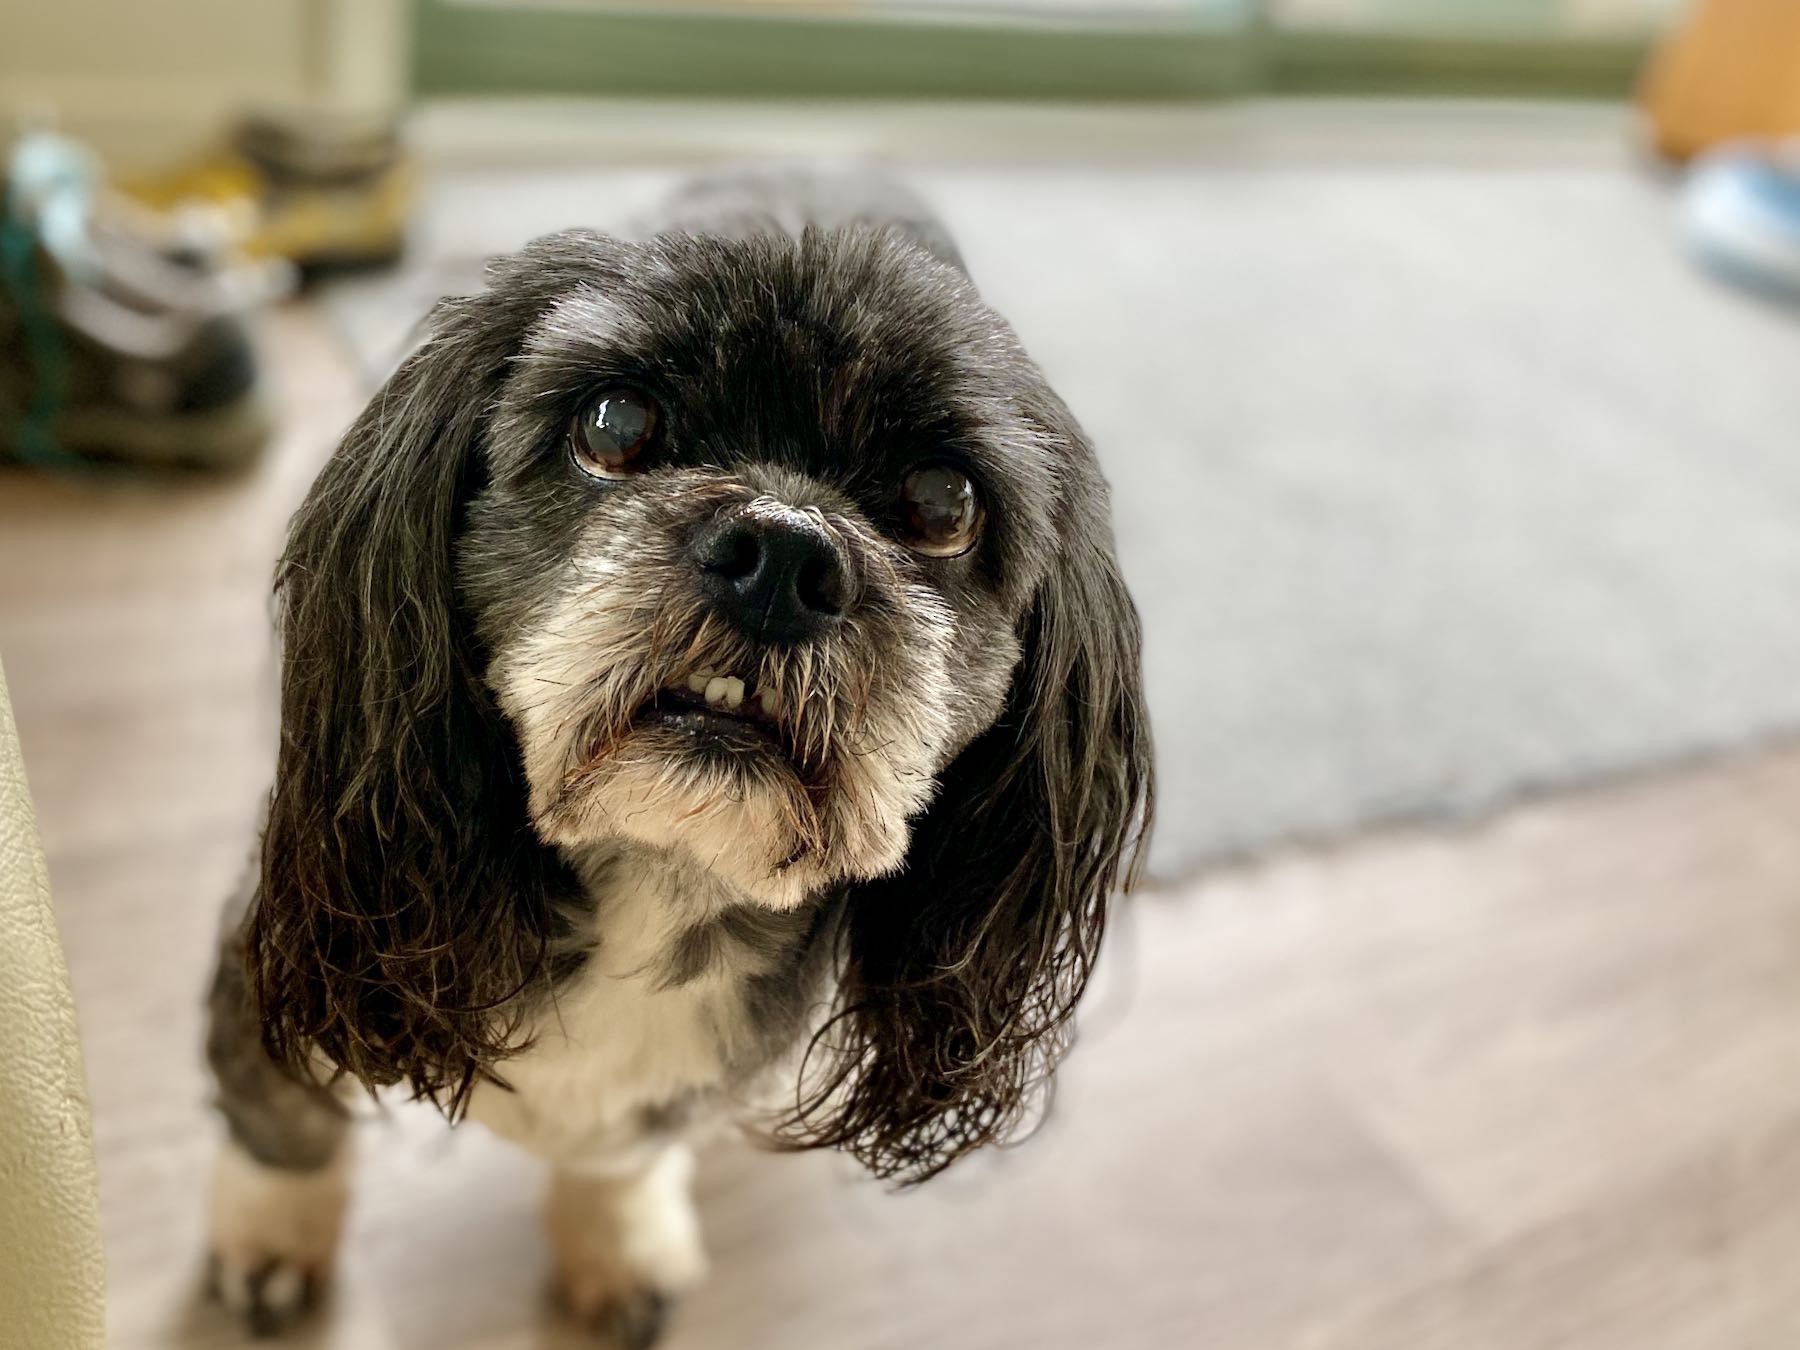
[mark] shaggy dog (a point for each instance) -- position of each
(705, 666)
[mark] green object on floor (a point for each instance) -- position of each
(48, 375)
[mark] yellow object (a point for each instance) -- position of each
(315, 213)
(51, 1278)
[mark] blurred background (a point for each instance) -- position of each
(1445, 360)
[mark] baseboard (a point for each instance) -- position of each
(496, 132)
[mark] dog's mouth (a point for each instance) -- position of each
(719, 710)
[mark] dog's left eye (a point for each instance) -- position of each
(612, 431)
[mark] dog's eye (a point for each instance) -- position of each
(941, 512)
(611, 431)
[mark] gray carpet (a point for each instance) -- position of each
(1435, 485)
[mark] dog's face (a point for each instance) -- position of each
(776, 552)
(760, 528)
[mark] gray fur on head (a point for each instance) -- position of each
(471, 623)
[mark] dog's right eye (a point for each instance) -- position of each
(612, 431)
(942, 511)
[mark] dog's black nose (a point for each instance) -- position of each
(777, 576)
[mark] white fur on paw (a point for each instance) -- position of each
(659, 1227)
(274, 1233)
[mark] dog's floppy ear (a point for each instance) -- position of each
(402, 899)
(962, 970)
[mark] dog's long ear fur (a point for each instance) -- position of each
(963, 969)
(402, 899)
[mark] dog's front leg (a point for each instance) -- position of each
(626, 1241)
(274, 1232)
(280, 1188)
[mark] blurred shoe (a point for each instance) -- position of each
(322, 192)
(1742, 217)
(110, 348)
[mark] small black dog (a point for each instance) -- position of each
(705, 655)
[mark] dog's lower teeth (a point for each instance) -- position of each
(698, 681)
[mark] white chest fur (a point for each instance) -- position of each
(621, 1038)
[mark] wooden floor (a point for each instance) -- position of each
(1534, 1085)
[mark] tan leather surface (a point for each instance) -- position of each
(50, 1266)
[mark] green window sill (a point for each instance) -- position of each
(484, 48)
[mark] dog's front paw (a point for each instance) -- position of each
(274, 1233)
(626, 1319)
(268, 1297)
(625, 1246)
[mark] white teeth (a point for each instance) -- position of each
(721, 690)
(769, 701)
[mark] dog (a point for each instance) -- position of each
(708, 693)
